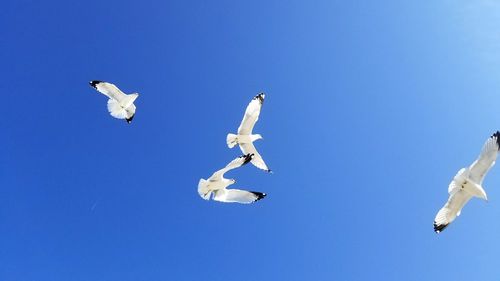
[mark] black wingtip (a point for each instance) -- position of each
(94, 83)
(439, 227)
(260, 96)
(248, 157)
(497, 136)
(259, 195)
(129, 120)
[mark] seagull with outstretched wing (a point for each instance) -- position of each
(120, 105)
(468, 183)
(217, 185)
(245, 138)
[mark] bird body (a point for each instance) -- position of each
(463, 181)
(233, 139)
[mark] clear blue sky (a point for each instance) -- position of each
(371, 109)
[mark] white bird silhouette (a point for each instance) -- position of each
(467, 184)
(120, 105)
(217, 185)
(245, 138)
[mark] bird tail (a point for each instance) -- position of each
(116, 109)
(231, 140)
(478, 191)
(203, 189)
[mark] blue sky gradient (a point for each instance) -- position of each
(371, 109)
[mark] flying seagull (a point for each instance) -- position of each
(120, 105)
(217, 185)
(245, 138)
(467, 184)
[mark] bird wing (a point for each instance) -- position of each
(251, 115)
(257, 161)
(486, 159)
(458, 198)
(238, 162)
(109, 90)
(238, 196)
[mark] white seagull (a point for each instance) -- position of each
(245, 138)
(217, 185)
(467, 184)
(120, 105)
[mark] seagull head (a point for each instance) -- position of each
(462, 175)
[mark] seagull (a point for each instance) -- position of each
(467, 184)
(120, 105)
(217, 185)
(245, 138)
